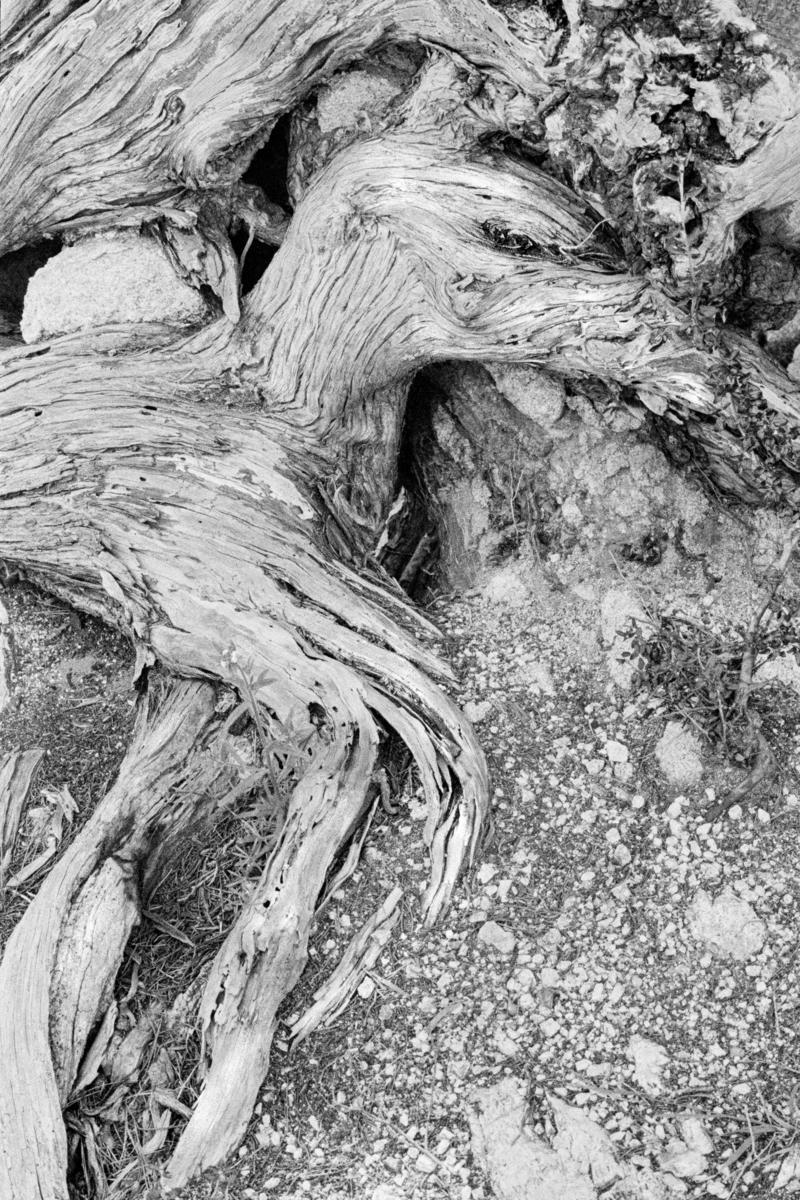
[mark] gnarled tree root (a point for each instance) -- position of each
(62, 958)
(178, 492)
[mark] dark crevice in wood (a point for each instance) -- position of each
(269, 165)
(16, 270)
(258, 257)
(419, 527)
(266, 171)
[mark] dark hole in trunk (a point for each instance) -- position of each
(16, 270)
(267, 171)
(259, 256)
(269, 165)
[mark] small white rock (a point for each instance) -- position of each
(621, 855)
(649, 1062)
(728, 926)
(679, 1160)
(694, 1135)
(505, 1044)
(497, 937)
(678, 753)
(477, 710)
(616, 752)
(550, 978)
(366, 987)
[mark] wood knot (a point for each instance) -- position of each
(173, 107)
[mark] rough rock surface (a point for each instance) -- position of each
(728, 926)
(679, 755)
(649, 1062)
(352, 98)
(519, 1165)
(538, 395)
(113, 278)
(785, 669)
(578, 1162)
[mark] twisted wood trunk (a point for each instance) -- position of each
(220, 496)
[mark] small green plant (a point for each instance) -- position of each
(705, 675)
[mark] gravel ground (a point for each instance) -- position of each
(583, 956)
(569, 959)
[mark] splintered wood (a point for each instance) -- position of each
(359, 958)
(6, 662)
(17, 771)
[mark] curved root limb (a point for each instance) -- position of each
(61, 960)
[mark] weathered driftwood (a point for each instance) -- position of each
(131, 486)
(17, 772)
(220, 498)
(142, 106)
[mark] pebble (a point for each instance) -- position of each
(496, 936)
(694, 1135)
(477, 710)
(366, 987)
(728, 925)
(679, 1160)
(616, 752)
(649, 1061)
(621, 855)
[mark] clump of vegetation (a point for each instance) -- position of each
(704, 674)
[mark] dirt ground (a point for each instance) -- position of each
(572, 964)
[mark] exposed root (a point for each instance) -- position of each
(62, 957)
(188, 493)
(17, 771)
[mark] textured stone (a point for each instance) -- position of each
(497, 937)
(678, 753)
(350, 99)
(584, 1143)
(682, 1161)
(536, 394)
(694, 1134)
(784, 669)
(728, 926)
(113, 279)
(518, 1165)
(649, 1061)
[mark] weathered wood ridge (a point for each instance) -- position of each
(219, 497)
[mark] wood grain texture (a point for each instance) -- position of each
(219, 497)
